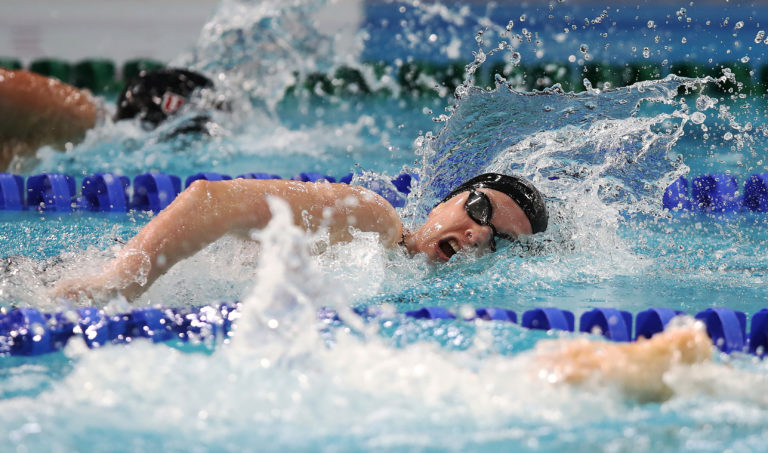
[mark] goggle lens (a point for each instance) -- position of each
(480, 210)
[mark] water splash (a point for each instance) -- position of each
(490, 129)
(258, 47)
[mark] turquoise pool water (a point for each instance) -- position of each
(602, 157)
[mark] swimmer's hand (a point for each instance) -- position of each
(638, 368)
(86, 289)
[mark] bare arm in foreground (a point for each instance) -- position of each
(637, 368)
(36, 110)
(208, 210)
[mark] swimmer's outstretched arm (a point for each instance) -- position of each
(638, 368)
(208, 210)
(36, 110)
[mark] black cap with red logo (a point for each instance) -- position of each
(152, 96)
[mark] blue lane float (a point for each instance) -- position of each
(717, 194)
(727, 328)
(431, 313)
(11, 192)
(496, 314)
(548, 318)
(109, 192)
(28, 332)
(676, 197)
(50, 192)
(653, 320)
(758, 333)
(614, 324)
(313, 177)
(756, 193)
(105, 192)
(154, 191)
(259, 176)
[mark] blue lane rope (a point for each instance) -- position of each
(29, 332)
(153, 191)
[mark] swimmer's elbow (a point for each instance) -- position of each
(213, 194)
(198, 186)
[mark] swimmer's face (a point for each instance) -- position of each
(449, 229)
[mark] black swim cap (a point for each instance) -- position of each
(154, 95)
(520, 190)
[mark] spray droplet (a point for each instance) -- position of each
(684, 40)
(510, 25)
(646, 52)
(584, 48)
(745, 59)
(523, 17)
(651, 24)
(698, 118)
(759, 37)
(739, 25)
(514, 58)
(704, 102)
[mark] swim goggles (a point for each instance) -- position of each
(480, 210)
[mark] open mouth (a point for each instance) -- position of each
(449, 247)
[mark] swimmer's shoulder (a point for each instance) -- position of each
(377, 212)
(362, 193)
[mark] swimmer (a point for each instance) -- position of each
(475, 216)
(485, 209)
(37, 111)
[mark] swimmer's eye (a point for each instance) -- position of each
(480, 210)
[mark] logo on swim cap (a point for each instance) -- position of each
(171, 102)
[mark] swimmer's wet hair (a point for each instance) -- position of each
(520, 190)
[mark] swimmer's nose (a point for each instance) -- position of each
(479, 236)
